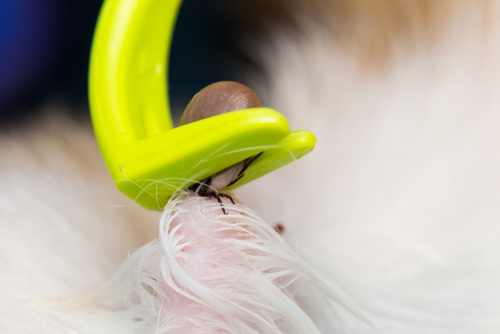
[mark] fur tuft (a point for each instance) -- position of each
(208, 273)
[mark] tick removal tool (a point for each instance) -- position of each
(148, 159)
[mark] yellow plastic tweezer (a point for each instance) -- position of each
(148, 159)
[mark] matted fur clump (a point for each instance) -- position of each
(216, 273)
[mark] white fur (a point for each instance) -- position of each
(64, 229)
(207, 273)
(401, 196)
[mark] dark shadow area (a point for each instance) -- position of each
(55, 41)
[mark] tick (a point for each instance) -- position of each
(213, 100)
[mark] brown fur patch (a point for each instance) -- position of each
(369, 26)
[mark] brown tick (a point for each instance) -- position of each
(213, 100)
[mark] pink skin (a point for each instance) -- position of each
(194, 225)
(216, 273)
(200, 259)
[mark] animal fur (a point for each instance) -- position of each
(398, 203)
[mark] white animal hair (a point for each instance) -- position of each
(208, 273)
(401, 194)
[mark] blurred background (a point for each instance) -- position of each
(45, 47)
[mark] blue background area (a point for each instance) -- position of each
(45, 46)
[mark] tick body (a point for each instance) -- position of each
(213, 100)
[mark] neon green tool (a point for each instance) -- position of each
(147, 158)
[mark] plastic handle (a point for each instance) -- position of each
(148, 160)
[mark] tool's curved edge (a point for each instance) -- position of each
(128, 69)
(157, 167)
(296, 145)
(154, 193)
